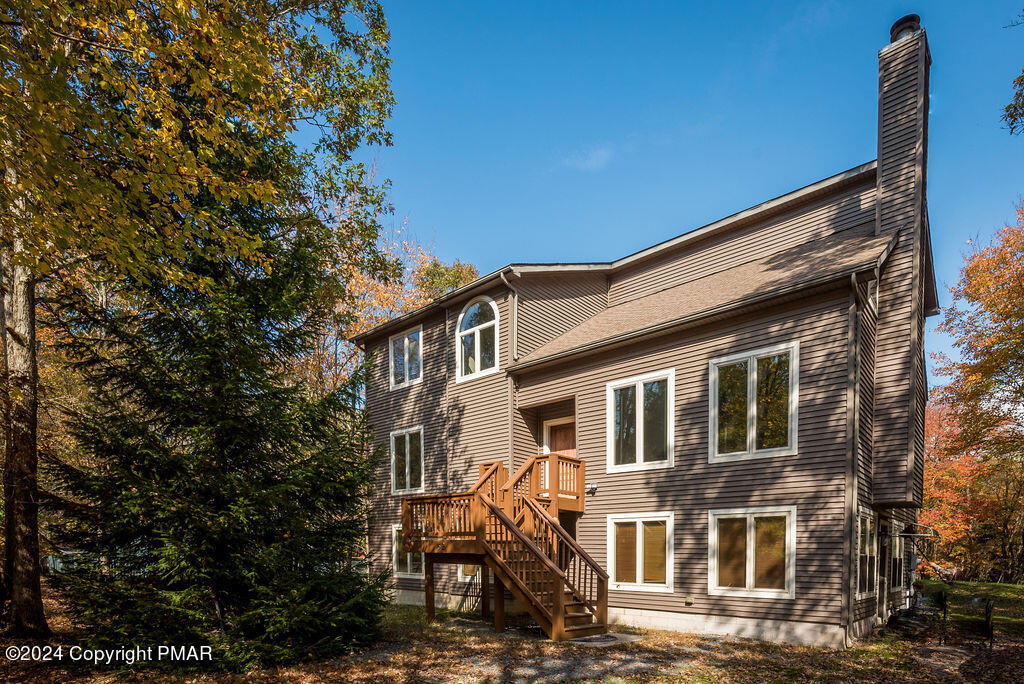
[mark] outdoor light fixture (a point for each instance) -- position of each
(591, 488)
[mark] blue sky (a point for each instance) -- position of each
(571, 131)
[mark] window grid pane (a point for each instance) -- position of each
(488, 353)
(625, 552)
(770, 552)
(772, 409)
(415, 460)
(655, 421)
(401, 466)
(655, 551)
(468, 354)
(625, 425)
(412, 343)
(397, 361)
(732, 552)
(732, 407)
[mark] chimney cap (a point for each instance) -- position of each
(904, 27)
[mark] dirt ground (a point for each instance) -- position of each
(460, 648)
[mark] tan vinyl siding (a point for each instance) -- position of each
(852, 207)
(464, 424)
(549, 305)
(900, 178)
(865, 399)
(814, 480)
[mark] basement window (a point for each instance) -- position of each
(404, 563)
(867, 553)
(751, 552)
(640, 551)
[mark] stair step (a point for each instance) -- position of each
(577, 619)
(585, 630)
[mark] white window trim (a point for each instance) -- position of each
(395, 550)
(638, 380)
(873, 591)
(546, 449)
(464, 578)
(405, 354)
(713, 515)
(669, 586)
(897, 540)
(459, 333)
(794, 401)
(423, 460)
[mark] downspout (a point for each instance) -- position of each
(444, 404)
(511, 383)
(853, 457)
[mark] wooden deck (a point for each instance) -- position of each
(510, 526)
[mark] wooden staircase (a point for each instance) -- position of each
(511, 526)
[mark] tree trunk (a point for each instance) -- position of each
(22, 567)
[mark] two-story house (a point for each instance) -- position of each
(721, 433)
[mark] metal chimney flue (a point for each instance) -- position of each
(904, 27)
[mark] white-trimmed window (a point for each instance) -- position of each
(898, 555)
(752, 552)
(753, 403)
(404, 563)
(476, 342)
(640, 551)
(867, 553)
(406, 358)
(641, 422)
(469, 572)
(407, 461)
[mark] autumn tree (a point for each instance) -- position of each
(114, 114)
(416, 277)
(1013, 114)
(979, 427)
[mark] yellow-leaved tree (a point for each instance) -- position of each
(113, 118)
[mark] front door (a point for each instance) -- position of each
(560, 438)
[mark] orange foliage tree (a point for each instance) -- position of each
(974, 478)
(415, 278)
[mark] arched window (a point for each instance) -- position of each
(476, 346)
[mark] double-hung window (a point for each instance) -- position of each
(898, 555)
(641, 422)
(476, 346)
(407, 461)
(752, 552)
(404, 563)
(406, 358)
(640, 551)
(867, 552)
(753, 404)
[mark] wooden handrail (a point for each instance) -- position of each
(534, 549)
(566, 538)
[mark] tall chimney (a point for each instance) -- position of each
(900, 209)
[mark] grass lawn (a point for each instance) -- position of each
(1008, 613)
(461, 648)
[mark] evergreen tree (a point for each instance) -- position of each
(212, 499)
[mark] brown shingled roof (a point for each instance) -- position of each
(802, 266)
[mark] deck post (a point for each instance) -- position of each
(499, 605)
(428, 585)
(558, 609)
(602, 600)
(485, 591)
